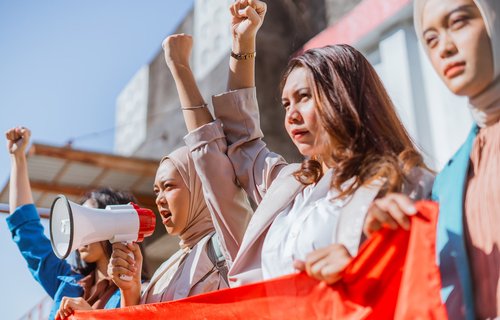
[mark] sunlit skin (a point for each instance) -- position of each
(301, 120)
(458, 45)
(172, 198)
(94, 252)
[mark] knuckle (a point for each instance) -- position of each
(383, 217)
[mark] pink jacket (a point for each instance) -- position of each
(232, 147)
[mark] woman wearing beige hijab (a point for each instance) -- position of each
(462, 41)
(197, 267)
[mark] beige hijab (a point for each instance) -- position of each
(199, 222)
(485, 106)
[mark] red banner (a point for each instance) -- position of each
(394, 276)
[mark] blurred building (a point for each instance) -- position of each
(151, 95)
(381, 29)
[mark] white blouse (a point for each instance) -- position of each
(307, 224)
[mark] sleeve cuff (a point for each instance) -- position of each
(21, 215)
(204, 135)
(241, 99)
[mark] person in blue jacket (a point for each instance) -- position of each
(462, 40)
(84, 286)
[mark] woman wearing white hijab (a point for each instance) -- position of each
(462, 41)
(197, 266)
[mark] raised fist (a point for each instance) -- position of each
(17, 140)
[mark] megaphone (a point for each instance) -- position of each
(73, 226)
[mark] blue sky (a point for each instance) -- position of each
(62, 65)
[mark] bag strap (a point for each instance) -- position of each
(217, 257)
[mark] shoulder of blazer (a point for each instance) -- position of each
(288, 170)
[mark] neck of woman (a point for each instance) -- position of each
(101, 271)
(485, 107)
(324, 167)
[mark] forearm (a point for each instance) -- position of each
(130, 298)
(242, 72)
(19, 188)
(190, 96)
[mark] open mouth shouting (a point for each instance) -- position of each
(166, 216)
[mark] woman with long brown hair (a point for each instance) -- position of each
(340, 118)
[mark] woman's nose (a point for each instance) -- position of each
(160, 199)
(293, 115)
(447, 46)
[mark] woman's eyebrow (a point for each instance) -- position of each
(465, 7)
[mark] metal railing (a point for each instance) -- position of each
(39, 311)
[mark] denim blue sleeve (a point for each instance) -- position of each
(35, 247)
(69, 287)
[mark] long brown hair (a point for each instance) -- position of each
(364, 137)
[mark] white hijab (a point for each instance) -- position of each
(485, 106)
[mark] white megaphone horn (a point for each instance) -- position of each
(73, 226)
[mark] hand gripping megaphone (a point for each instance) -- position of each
(73, 226)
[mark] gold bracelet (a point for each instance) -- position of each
(243, 56)
(205, 105)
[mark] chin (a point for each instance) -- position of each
(304, 149)
(171, 231)
(307, 151)
(465, 86)
(459, 89)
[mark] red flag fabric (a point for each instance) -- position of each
(394, 276)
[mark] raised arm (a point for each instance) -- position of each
(247, 18)
(19, 188)
(24, 221)
(255, 165)
(177, 49)
(227, 202)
